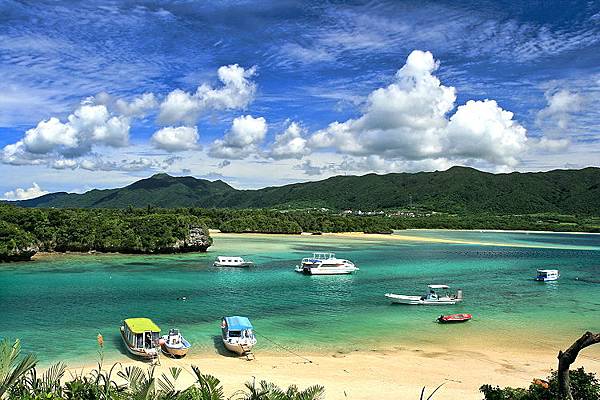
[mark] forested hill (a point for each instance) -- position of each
(457, 190)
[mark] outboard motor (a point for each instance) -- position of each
(459, 294)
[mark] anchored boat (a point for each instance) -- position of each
(547, 275)
(238, 335)
(141, 336)
(436, 295)
(239, 262)
(325, 264)
(174, 344)
(454, 318)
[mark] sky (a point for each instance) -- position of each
(101, 94)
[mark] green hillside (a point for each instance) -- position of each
(458, 190)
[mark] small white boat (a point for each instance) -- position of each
(238, 262)
(325, 264)
(547, 275)
(141, 336)
(238, 335)
(174, 344)
(436, 295)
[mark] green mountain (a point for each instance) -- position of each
(457, 190)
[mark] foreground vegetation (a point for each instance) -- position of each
(584, 386)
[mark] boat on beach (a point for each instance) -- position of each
(238, 334)
(325, 264)
(454, 318)
(436, 295)
(227, 261)
(141, 336)
(547, 275)
(174, 344)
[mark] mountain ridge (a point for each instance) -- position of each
(456, 190)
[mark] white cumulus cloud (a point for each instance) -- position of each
(554, 120)
(243, 139)
(138, 107)
(24, 194)
(176, 139)
(408, 120)
(290, 143)
(89, 125)
(236, 93)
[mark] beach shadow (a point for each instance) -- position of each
(220, 347)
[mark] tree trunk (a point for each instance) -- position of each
(566, 358)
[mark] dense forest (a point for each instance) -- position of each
(459, 190)
(24, 231)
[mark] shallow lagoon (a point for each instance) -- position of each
(58, 304)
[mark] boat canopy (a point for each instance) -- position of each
(238, 323)
(141, 325)
(547, 271)
(438, 287)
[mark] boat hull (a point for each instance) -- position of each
(175, 352)
(238, 348)
(546, 279)
(138, 352)
(328, 271)
(417, 300)
(454, 318)
(241, 265)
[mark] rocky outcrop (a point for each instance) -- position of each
(197, 239)
(19, 253)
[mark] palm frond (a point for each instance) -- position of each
(52, 376)
(436, 389)
(315, 392)
(12, 370)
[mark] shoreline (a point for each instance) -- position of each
(397, 235)
(397, 372)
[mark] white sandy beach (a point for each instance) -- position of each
(395, 373)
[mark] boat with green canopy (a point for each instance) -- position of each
(141, 336)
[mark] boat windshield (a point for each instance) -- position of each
(235, 333)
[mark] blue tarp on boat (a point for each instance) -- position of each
(238, 323)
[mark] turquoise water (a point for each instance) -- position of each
(57, 305)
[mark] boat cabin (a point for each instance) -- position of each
(237, 327)
(318, 257)
(230, 260)
(437, 292)
(141, 333)
(547, 274)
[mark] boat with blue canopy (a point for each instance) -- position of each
(238, 334)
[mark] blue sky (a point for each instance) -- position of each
(292, 91)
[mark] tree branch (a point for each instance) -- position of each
(566, 358)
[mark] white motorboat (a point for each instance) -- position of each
(238, 335)
(436, 295)
(239, 262)
(325, 264)
(547, 275)
(174, 344)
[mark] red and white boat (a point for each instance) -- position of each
(454, 318)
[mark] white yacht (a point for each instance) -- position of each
(239, 262)
(237, 333)
(325, 264)
(547, 275)
(436, 295)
